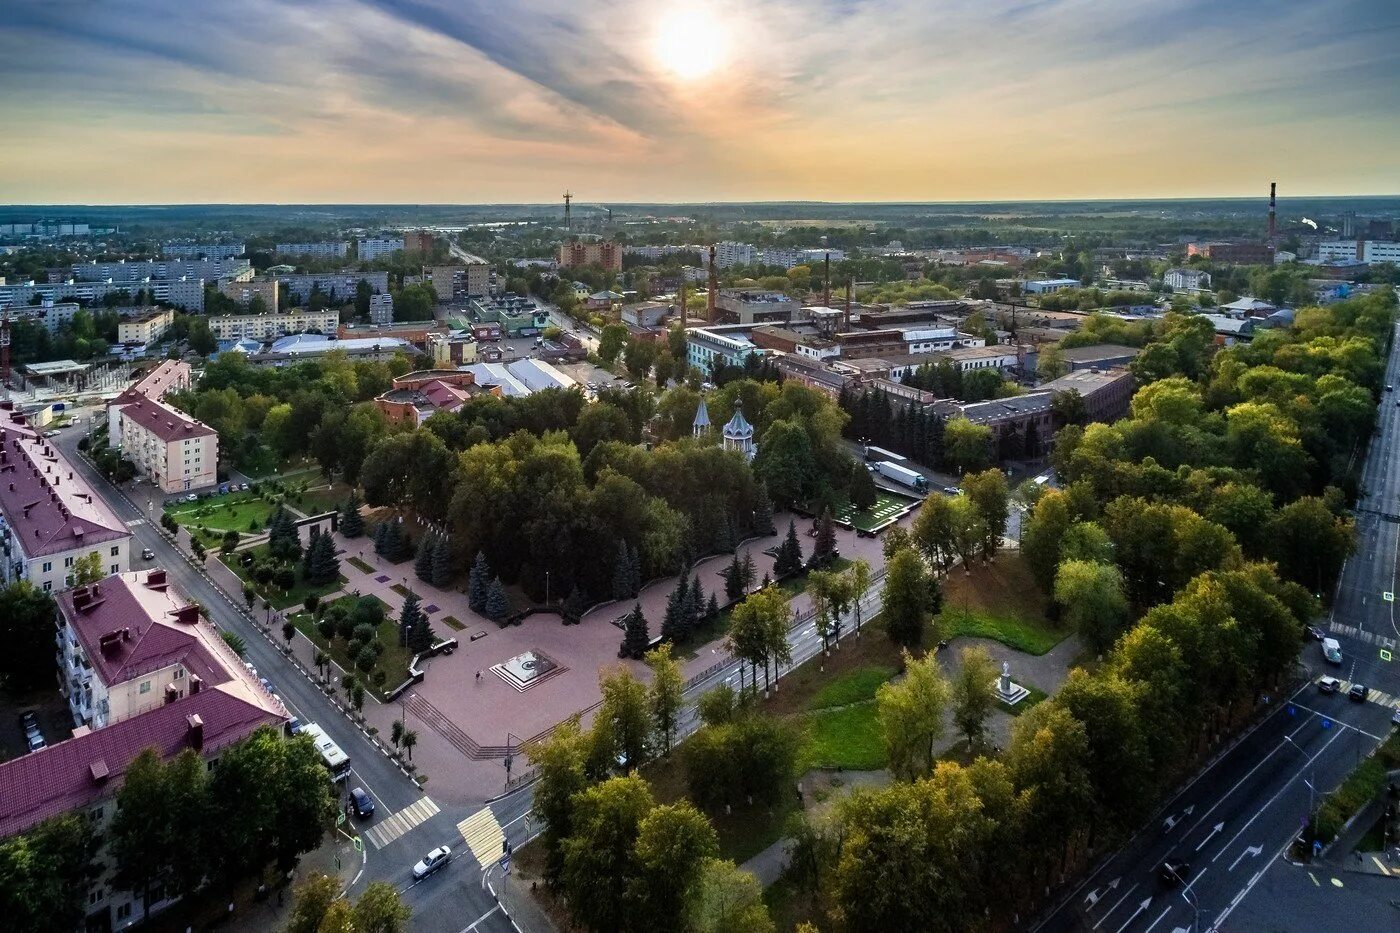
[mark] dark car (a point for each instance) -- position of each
(362, 802)
(1173, 872)
(1358, 693)
(1316, 633)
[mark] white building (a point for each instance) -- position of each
(336, 286)
(1381, 251)
(729, 253)
(168, 447)
(187, 293)
(1046, 286)
(337, 249)
(202, 250)
(137, 271)
(1333, 250)
(374, 247)
(49, 517)
(273, 324)
(710, 348)
(1187, 280)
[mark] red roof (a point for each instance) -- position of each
(90, 767)
(160, 419)
(48, 507)
(168, 375)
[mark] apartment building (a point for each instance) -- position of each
(1335, 250)
(146, 327)
(202, 250)
(710, 348)
(455, 349)
(338, 287)
(729, 253)
(49, 517)
(171, 449)
(335, 249)
(375, 247)
(1186, 280)
(244, 293)
(381, 308)
(137, 271)
(272, 325)
(418, 241)
(52, 314)
(133, 645)
(186, 293)
(605, 253)
(1380, 251)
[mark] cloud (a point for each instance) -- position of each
(473, 100)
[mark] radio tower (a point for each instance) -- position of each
(567, 198)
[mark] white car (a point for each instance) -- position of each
(431, 862)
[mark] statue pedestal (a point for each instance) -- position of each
(1008, 691)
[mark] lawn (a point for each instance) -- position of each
(1002, 602)
(847, 738)
(393, 661)
(452, 623)
(321, 499)
(279, 599)
(237, 511)
(1034, 696)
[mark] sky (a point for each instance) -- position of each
(507, 101)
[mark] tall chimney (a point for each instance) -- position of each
(1273, 229)
(682, 302)
(847, 318)
(714, 289)
(826, 281)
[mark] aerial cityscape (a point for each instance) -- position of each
(793, 468)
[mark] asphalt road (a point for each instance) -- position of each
(449, 900)
(1234, 823)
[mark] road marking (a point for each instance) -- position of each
(1158, 920)
(1120, 900)
(468, 929)
(1211, 835)
(1337, 883)
(483, 835)
(1385, 871)
(1249, 850)
(1141, 907)
(1094, 895)
(1345, 725)
(1286, 784)
(385, 832)
(135, 521)
(1316, 883)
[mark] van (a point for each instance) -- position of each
(1332, 650)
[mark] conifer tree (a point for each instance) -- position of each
(763, 512)
(622, 572)
(497, 606)
(423, 563)
(826, 535)
(634, 571)
(410, 617)
(479, 583)
(789, 560)
(352, 524)
(694, 605)
(443, 571)
(734, 579)
(635, 637)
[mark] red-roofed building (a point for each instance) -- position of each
(173, 450)
(49, 517)
(417, 395)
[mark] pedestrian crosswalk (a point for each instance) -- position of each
(1372, 694)
(483, 835)
(135, 521)
(386, 831)
(1352, 631)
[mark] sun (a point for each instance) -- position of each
(689, 43)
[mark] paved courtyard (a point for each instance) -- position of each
(465, 723)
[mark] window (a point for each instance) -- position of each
(179, 672)
(68, 562)
(94, 896)
(124, 911)
(115, 568)
(145, 686)
(47, 586)
(48, 566)
(116, 550)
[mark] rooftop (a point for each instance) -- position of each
(996, 409)
(168, 375)
(312, 344)
(162, 420)
(1099, 351)
(1085, 381)
(48, 506)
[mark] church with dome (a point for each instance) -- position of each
(737, 434)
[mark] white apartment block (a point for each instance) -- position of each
(202, 250)
(374, 247)
(337, 286)
(187, 293)
(729, 253)
(146, 327)
(140, 270)
(337, 249)
(1186, 280)
(49, 517)
(1381, 251)
(171, 449)
(276, 324)
(52, 314)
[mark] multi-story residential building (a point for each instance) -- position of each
(137, 271)
(381, 308)
(710, 348)
(187, 293)
(146, 327)
(243, 294)
(171, 449)
(1186, 280)
(729, 253)
(274, 324)
(49, 517)
(52, 314)
(336, 249)
(168, 682)
(457, 348)
(605, 253)
(338, 287)
(202, 250)
(374, 247)
(418, 241)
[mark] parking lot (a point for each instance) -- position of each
(50, 710)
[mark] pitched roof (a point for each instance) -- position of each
(162, 420)
(702, 415)
(49, 507)
(738, 426)
(90, 767)
(170, 374)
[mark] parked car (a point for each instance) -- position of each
(1358, 693)
(1316, 633)
(36, 741)
(431, 862)
(191, 498)
(147, 554)
(363, 804)
(27, 720)
(51, 434)
(1329, 684)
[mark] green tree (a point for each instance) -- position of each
(497, 605)
(1042, 534)
(479, 583)
(1091, 597)
(862, 491)
(967, 447)
(1309, 543)
(974, 692)
(673, 843)
(910, 712)
(352, 524)
(989, 494)
(87, 569)
(45, 874)
(786, 464)
(560, 761)
(379, 909)
(858, 583)
(666, 694)
(789, 557)
(599, 855)
(622, 726)
(906, 599)
(26, 630)
(727, 899)
(140, 831)
(310, 901)
(612, 342)
(635, 637)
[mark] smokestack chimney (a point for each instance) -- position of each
(1273, 229)
(826, 281)
(847, 318)
(714, 289)
(682, 302)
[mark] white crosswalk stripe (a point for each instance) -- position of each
(483, 835)
(1352, 631)
(386, 831)
(135, 521)
(1372, 695)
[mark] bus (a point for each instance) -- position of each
(336, 761)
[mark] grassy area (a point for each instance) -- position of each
(1033, 697)
(847, 738)
(321, 499)
(853, 687)
(1366, 781)
(887, 506)
(238, 511)
(1002, 602)
(400, 589)
(393, 661)
(452, 623)
(280, 599)
(360, 565)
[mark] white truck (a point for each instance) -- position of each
(902, 475)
